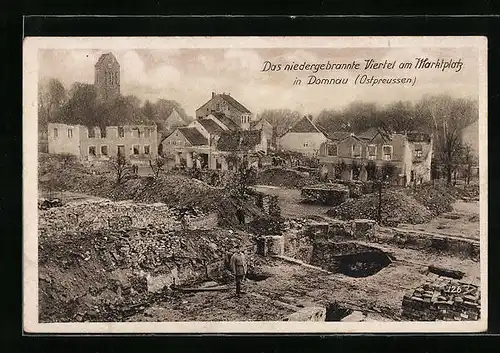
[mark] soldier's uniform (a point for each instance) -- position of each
(239, 268)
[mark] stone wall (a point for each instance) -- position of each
(442, 298)
(366, 230)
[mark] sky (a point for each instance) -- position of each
(189, 76)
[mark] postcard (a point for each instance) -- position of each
(255, 184)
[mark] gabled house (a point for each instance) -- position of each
(182, 142)
(173, 121)
(303, 137)
(230, 107)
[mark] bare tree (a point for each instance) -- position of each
(121, 168)
(468, 161)
(157, 166)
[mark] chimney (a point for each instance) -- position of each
(213, 94)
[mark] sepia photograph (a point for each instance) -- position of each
(204, 184)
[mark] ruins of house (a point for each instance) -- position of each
(347, 156)
(303, 137)
(267, 129)
(137, 143)
(230, 107)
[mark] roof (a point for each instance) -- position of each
(254, 123)
(373, 131)
(304, 125)
(104, 57)
(235, 103)
(229, 100)
(338, 135)
(211, 126)
(368, 134)
(230, 124)
(239, 140)
(193, 136)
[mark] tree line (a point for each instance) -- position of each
(79, 106)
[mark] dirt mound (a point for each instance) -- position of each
(287, 178)
(397, 207)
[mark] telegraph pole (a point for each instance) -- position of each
(380, 202)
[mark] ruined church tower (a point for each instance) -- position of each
(107, 77)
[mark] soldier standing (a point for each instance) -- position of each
(239, 268)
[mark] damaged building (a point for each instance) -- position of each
(138, 143)
(347, 156)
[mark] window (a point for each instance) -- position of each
(136, 132)
(356, 151)
(418, 150)
(387, 149)
(104, 150)
(121, 131)
(103, 132)
(147, 132)
(136, 150)
(56, 133)
(306, 144)
(146, 149)
(332, 150)
(70, 133)
(91, 133)
(121, 150)
(91, 150)
(372, 152)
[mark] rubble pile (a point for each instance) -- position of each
(94, 215)
(171, 189)
(288, 178)
(436, 198)
(396, 207)
(106, 275)
(442, 298)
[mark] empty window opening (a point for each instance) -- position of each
(387, 152)
(136, 132)
(372, 152)
(121, 131)
(356, 151)
(146, 149)
(91, 133)
(332, 150)
(103, 133)
(136, 149)
(104, 150)
(92, 151)
(121, 151)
